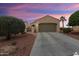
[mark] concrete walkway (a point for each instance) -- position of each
(54, 44)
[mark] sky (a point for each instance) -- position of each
(32, 11)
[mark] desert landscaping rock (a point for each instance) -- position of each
(23, 44)
(7, 50)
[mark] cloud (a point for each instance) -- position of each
(31, 14)
(31, 11)
(44, 11)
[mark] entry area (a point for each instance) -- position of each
(47, 27)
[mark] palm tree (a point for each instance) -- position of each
(62, 19)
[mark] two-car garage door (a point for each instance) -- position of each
(47, 27)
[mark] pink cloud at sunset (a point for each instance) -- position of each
(31, 11)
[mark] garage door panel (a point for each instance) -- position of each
(47, 27)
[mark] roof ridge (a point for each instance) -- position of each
(43, 17)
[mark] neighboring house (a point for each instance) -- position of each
(46, 24)
(26, 25)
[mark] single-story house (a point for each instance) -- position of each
(46, 24)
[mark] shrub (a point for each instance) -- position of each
(11, 25)
(67, 30)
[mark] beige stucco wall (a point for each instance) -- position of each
(26, 26)
(76, 28)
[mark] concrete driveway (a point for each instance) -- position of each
(54, 44)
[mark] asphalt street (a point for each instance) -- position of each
(54, 44)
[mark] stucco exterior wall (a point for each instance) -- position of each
(26, 27)
(76, 28)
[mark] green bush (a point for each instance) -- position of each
(11, 25)
(67, 30)
(74, 19)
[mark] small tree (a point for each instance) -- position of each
(74, 19)
(11, 25)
